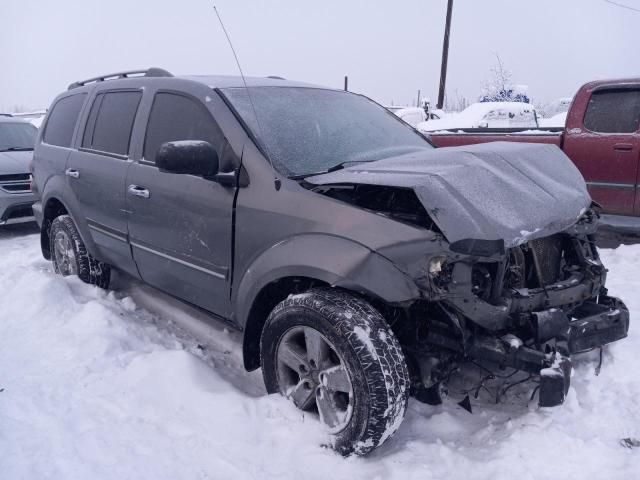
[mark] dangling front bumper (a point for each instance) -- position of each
(594, 324)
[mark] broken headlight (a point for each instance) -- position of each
(439, 271)
(436, 265)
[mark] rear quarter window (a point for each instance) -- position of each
(62, 120)
(613, 111)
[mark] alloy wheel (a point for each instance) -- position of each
(312, 374)
(65, 255)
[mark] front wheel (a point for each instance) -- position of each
(332, 353)
(70, 257)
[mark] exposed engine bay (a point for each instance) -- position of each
(397, 203)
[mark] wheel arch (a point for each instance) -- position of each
(308, 261)
(52, 208)
(56, 203)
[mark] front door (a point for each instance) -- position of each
(180, 226)
(97, 173)
(607, 150)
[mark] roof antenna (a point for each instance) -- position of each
(276, 179)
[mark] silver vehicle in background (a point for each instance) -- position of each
(17, 138)
(412, 115)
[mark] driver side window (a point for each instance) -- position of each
(177, 117)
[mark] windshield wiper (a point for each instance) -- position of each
(338, 166)
(17, 149)
(341, 165)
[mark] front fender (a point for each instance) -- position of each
(331, 259)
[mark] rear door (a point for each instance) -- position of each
(180, 226)
(607, 149)
(97, 172)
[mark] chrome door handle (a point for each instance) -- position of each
(72, 172)
(138, 191)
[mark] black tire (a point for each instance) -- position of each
(88, 269)
(369, 350)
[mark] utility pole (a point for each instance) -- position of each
(445, 55)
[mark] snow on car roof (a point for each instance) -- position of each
(471, 116)
(480, 109)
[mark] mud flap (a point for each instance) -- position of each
(554, 383)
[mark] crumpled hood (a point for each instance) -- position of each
(14, 162)
(506, 191)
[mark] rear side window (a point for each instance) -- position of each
(62, 120)
(613, 111)
(176, 117)
(110, 122)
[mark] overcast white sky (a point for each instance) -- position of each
(389, 49)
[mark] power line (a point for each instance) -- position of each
(623, 6)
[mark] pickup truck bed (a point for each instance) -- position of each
(470, 136)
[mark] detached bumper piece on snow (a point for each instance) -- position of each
(596, 324)
(592, 325)
(554, 382)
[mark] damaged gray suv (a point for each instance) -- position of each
(362, 264)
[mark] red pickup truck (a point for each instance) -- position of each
(601, 136)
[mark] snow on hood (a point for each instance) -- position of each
(506, 191)
(14, 162)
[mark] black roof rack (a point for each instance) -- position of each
(5, 115)
(150, 72)
(275, 77)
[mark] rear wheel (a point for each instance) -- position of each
(70, 257)
(332, 353)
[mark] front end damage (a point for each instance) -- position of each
(529, 309)
(513, 277)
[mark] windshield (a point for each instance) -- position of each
(310, 130)
(17, 136)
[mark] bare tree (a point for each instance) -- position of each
(455, 102)
(19, 108)
(499, 81)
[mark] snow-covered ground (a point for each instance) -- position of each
(111, 385)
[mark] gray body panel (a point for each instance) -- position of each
(495, 191)
(100, 191)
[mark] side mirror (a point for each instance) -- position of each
(191, 157)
